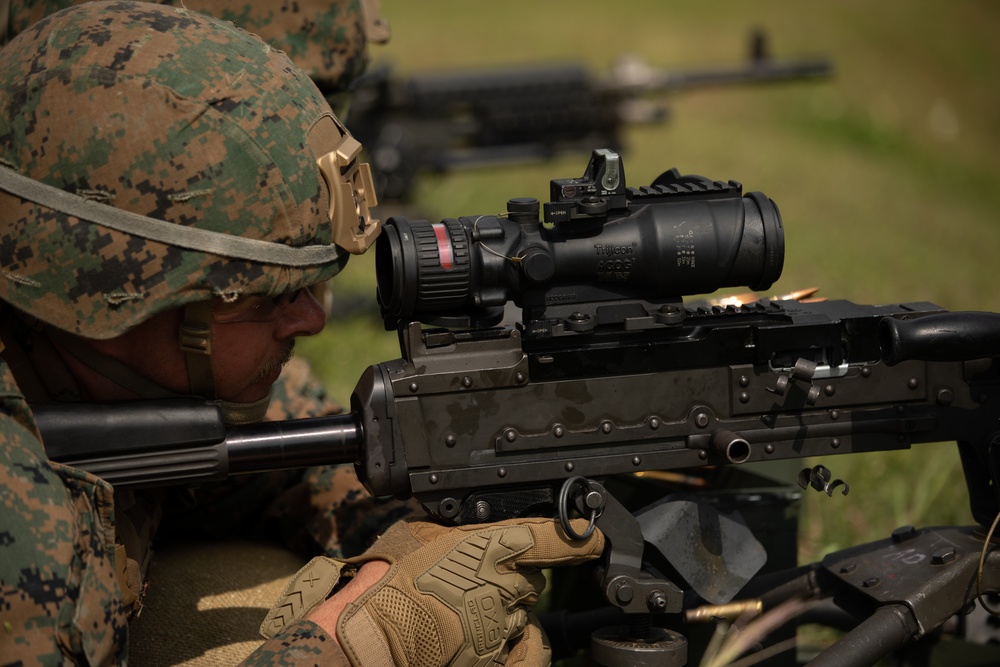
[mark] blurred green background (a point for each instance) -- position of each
(886, 174)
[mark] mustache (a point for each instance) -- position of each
(275, 362)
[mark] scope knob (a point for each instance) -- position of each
(523, 209)
(537, 265)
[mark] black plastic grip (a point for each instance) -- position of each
(940, 337)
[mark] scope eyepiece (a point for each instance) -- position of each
(680, 236)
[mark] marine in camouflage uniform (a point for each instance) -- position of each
(189, 145)
(224, 188)
(327, 39)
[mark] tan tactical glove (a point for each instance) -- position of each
(453, 595)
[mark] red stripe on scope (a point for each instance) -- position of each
(445, 254)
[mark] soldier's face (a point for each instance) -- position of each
(251, 340)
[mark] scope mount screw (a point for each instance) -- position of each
(670, 314)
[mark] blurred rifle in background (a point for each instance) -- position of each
(443, 121)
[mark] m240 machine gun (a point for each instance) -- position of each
(608, 373)
(436, 122)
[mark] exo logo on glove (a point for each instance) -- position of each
(471, 580)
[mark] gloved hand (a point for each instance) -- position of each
(458, 595)
(455, 595)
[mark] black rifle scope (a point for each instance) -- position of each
(600, 243)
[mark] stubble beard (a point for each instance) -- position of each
(275, 362)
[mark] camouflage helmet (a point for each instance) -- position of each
(155, 157)
(326, 38)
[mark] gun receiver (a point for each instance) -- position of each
(438, 122)
(476, 423)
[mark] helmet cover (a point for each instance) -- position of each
(166, 113)
(326, 38)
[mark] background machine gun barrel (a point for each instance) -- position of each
(436, 122)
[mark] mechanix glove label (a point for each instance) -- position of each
(468, 580)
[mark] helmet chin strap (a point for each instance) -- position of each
(195, 337)
(245, 413)
(196, 342)
(201, 378)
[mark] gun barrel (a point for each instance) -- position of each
(294, 444)
(170, 442)
(757, 72)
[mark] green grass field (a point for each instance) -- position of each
(886, 174)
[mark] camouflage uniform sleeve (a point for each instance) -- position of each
(59, 597)
(301, 643)
(298, 394)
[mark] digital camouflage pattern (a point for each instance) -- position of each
(326, 38)
(59, 595)
(300, 643)
(236, 133)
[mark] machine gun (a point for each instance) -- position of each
(609, 372)
(439, 122)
